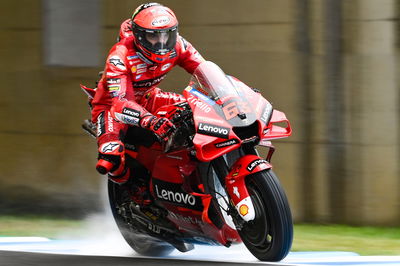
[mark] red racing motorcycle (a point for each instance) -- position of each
(207, 184)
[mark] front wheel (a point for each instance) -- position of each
(269, 236)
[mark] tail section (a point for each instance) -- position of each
(89, 92)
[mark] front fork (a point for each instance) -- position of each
(235, 181)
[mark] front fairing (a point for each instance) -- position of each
(222, 106)
(223, 93)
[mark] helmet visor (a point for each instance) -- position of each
(159, 42)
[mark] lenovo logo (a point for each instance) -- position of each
(213, 130)
(131, 112)
(173, 196)
(254, 164)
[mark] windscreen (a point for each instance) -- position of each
(228, 94)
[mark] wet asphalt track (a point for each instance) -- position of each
(104, 245)
(14, 258)
(43, 252)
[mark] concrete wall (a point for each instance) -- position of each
(329, 65)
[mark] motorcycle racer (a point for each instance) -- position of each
(149, 47)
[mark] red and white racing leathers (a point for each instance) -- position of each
(128, 88)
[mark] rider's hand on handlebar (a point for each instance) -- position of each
(162, 126)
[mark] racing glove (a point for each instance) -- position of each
(162, 127)
(111, 161)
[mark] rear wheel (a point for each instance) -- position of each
(140, 242)
(269, 236)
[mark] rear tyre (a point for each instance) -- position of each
(141, 243)
(269, 236)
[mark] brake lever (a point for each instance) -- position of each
(181, 125)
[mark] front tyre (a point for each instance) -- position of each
(269, 236)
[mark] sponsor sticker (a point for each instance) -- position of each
(111, 74)
(110, 121)
(114, 88)
(243, 209)
(166, 66)
(160, 21)
(226, 143)
(266, 113)
(133, 69)
(213, 130)
(131, 112)
(116, 61)
(173, 54)
(109, 147)
(148, 82)
(255, 163)
(186, 219)
(142, 70)
(173, 193)
(174, 196)
(114, 81)
(127, 119)
(134, 62)
(131, 57)
(199, 104)
(201, 96)
(101, 129)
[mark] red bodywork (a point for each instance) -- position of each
(175, 182)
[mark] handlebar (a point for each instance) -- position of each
(183, 122)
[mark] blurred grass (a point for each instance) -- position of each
(362, 240)
(307, 237)
(43, 226)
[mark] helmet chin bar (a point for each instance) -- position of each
(144, 58)
(159, 48)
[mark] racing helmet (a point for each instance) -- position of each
(155, 28)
